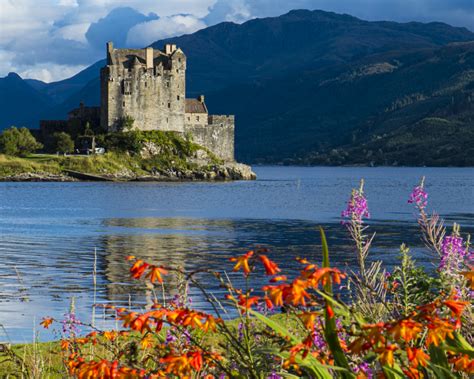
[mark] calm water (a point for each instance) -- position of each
(49, 231)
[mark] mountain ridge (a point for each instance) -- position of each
(295, 82)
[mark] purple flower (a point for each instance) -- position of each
(357, 207)
(241, 331)
(365, 368)
(419, 197)
(273, 375)
(70, 323)
(169, 338)
(318, 340)
(453, 252)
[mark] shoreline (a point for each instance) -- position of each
(218, 173)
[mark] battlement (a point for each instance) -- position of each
(224, 120)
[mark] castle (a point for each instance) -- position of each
(148, 86)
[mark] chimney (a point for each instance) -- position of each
(201, 98)
(170, 48)
(149, 57)
(110, 49)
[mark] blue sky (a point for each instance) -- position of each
(54, 39)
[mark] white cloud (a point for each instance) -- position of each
(50, 72)
(145, 33)
(75, 32)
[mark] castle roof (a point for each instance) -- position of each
(195, 106)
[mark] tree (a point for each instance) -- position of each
(64, 143)
(18, 142)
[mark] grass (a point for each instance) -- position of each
(44, 359)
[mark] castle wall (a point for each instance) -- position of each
(217, 136)
(153, 96)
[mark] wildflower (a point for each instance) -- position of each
(438, 330)
(155, 274)
(247, 302)
(242, 261)
(279, 278)
(419, 196)
(138, 269)
(456, 307)
(357, 207)
(406, 330)
(469, 276)
(308, 319)
(386, 354)
(271, 268)
(417, 357)
(463, 364)
(47, 321)
(453, 252)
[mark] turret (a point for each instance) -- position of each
(149, 57)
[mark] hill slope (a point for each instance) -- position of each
(311, 87)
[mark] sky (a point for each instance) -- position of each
(51, 40)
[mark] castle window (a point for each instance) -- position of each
(167, 84)
(167, 120)
(127, 87)
(177, 71)
(169, 105)
(197, 118)
(189, 118)
(179, 60)
(146, 84)
(177, 97)
(123, 103)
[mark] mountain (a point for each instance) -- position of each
(312, 87)
(20, 102)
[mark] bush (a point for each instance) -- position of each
(63, 143)
(18, 142)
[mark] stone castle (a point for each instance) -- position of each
(148, 86)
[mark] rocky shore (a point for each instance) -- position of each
(223, 172)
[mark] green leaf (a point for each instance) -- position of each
(394, 372)
(275, 326)
(330, 330)
(458, 344)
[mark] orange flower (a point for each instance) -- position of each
(406, 330)
(438, 330)
(147, 341)
(308, 319)
(138, 269)
(298, 292)
(279, 278)
(417, 357)
(65, 344)
(130, 257)
(155, 274)
(271, 267)
(463, 364)
(182, 365)
(386, 354)
(276, 293)
(324, 275)
(110, 335)
(330, 311)
(242, 261)
(47, 321)
(456, 307)
(247, 302)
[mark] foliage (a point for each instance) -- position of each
(63, 143)
(18, 142)
(290, 327)
(125, 124)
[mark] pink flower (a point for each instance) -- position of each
(419, 197)
(357, 207)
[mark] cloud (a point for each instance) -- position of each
(45, 37)
(145, 33)
(115, 26)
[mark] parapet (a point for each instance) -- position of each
(223, 120)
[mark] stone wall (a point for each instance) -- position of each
(152, 93)
(217, 136)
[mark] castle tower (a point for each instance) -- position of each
(146, 85)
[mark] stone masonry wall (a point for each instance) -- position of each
(217, 136)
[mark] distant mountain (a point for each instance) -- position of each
(20, 102)
(309, 87)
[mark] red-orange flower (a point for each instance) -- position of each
(456, 307)
(438, 330)
(386, 354)
(138, 269)
(155, 274)
(271, 267)
(469, 275)
(242, 262)
(406, 330)
(417, 357)
(47, 321)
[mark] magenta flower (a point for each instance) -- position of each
(419, 197)
(453, 251)
(357, 207)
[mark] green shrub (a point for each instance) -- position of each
(18, 142)
(63, 143)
